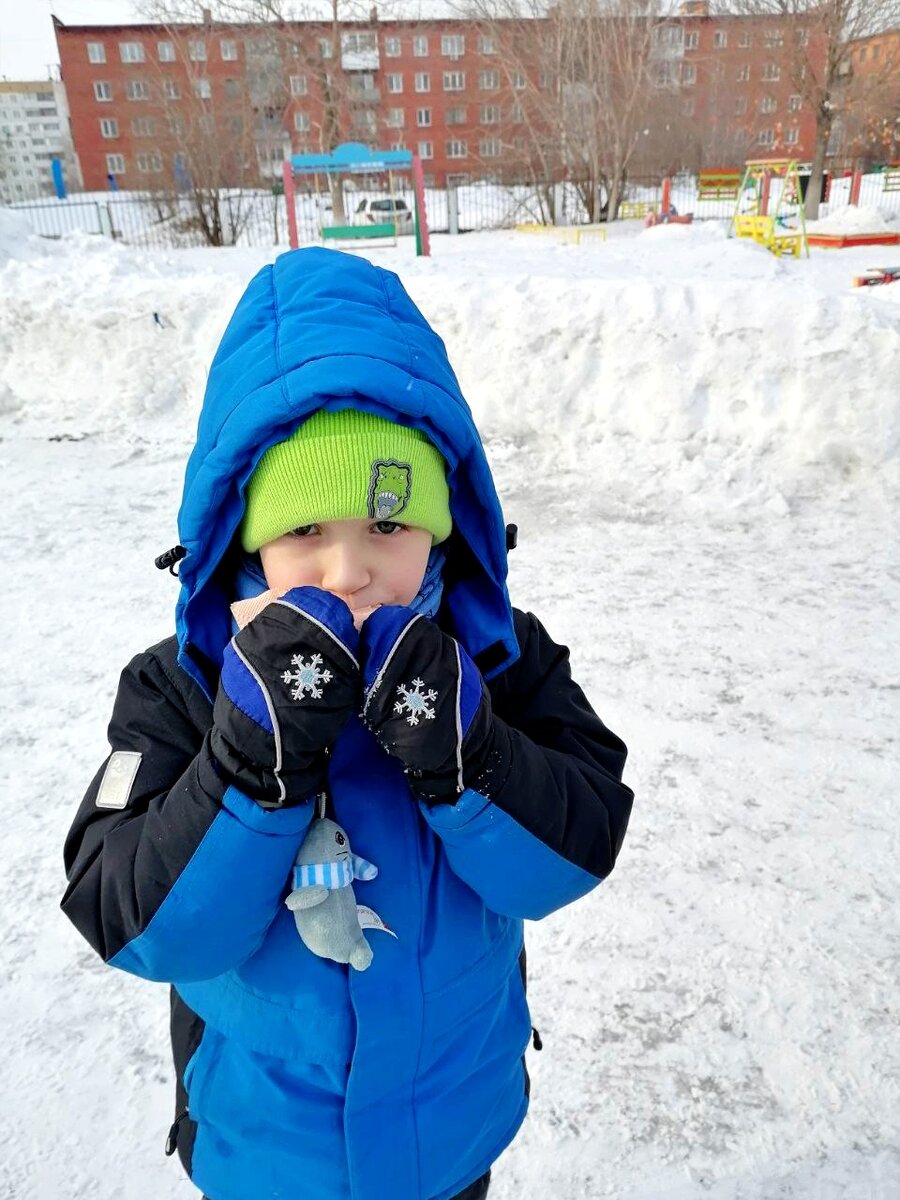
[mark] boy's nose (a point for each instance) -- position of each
(343, 571)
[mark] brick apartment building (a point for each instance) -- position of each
(443, 88)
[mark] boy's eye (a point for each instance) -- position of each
(387, 527)
(303, 531)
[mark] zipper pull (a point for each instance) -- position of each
(172, 1139)
(536, 1039)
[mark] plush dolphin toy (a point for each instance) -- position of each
(323, 902)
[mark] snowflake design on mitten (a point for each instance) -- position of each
(308, 677)
(415, 702)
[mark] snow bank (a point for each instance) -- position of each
(852, 219)
(666, 360)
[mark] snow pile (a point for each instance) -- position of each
(853, 219)
(17, 238)
(666, 360)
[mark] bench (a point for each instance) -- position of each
(718, 185)
(764, 231)
(343, 233)
(892, 179)
(631, 209)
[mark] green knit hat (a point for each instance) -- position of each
(339, 465)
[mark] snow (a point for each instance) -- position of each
(699, 443)
(853, 219)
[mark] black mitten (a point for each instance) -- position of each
(428, 706)
(290, 681)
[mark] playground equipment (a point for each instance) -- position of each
(754, 220)
(719, 183)
(876, 276)
(891, 178)
(635, 209)
(353, 158)
(573, 234)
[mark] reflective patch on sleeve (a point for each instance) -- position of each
(118, 779)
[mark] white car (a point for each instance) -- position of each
(383, 210)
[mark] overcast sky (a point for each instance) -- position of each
(27, 44)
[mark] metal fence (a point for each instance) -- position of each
(259, 218)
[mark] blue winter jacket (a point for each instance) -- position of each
(299, 1078)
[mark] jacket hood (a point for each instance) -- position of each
(322, 329)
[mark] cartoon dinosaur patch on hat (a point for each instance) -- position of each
(389, 489)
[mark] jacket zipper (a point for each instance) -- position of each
(172, 1139)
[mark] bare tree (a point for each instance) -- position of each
(593, 78)
(811, 40)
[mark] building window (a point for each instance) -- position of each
(688, 74)
(489, 81)
(740, 105)
(202, 89)
(792, 136)
(96, 52)
(197, 51)
(301, 122)
(326, 50)
(744, 41)
(489, 147)
(149, 164)
(232, 89)
(453, 45)
(768, 104)
(137, 89)
(426, 150)
(171, 90)
(489, 114)
(131, 52)
(165, 51)
(771, 71)
(692, 39)
(456, 115)
(773, 41)
(109, 127)
(228, 50)
(423, 117)
(420, 47)
(766, 137)
(457, 149)
(143, 127)
(395, 118)
(487, 45)
(454, 81)
(720, 39)
(115, 164)
(794, 104)
(803, 40)
(395, 84)
(103, 91)
(423, 82)
(518, 81)
(392, 47)
(299, 85)
(743, 73)
(516, 113)
(688, 108)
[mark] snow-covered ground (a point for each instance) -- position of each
(700, 445)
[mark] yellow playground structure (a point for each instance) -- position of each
(752, 219)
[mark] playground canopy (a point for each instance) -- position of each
(353, 158)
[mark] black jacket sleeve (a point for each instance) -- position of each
(182, 882)
(553, 828)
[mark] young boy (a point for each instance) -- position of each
(338, 490)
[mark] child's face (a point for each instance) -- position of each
(366, 563)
